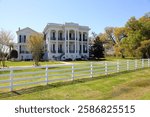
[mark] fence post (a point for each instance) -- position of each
(118, 66)
(11, 79)
(46, 75)
(148, 62)
(106, 68)
(142, 63)
(72, 71)
(135, 67)
(91, 70)
(127, 65)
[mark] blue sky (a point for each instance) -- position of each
(97, 14)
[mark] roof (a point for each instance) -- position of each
(65, 25)
(27, 28)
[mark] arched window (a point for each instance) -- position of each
(53, 35)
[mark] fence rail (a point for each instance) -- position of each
(11, 78)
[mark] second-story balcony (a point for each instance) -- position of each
(53, 38)
(61, 38)
(24, 52)
(72, 38)
(53, 51)
(84, 39)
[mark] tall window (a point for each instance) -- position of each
(80, 37)
(80, 49)
(53, 48)
(84, 48)
(60, 48)
(24, 38)
(69, 35)
(20, 49)
(19, 38)
(60, 35)
(53, 34)
(83, 36)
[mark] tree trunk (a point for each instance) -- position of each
(3, 62)
(36, 63)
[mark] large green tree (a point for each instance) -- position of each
(138, 30)
(144, 50)
(97, 49)
(13, 54)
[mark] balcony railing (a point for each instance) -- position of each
(61, 38)
(60, 51)
(53, 38)
(24, 52)
(85, 39)
(71, 51)
(84, 51)
(53, 51)
(72, 38)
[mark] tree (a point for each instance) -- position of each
(119, 34)
(138, 30)
(6, 39)
(144, 50)
(13, 54)
(147, 15)
(114, 36)
(35, 45)
(97, 49)
(109, 31)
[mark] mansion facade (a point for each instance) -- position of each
(62, 42)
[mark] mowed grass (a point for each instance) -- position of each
(125, 85)
(29, 63)
(36, 76)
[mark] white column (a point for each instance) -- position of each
(49, 44)
(65, 44)
(88, 44)
(75, 42)
(56, 42)
(81, 42)
(68, 41)
(18, 51)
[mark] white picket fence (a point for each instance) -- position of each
(11, 78)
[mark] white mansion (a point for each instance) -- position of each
(62, 41)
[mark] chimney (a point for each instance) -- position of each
(19, 28)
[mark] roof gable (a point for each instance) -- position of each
(27, 29)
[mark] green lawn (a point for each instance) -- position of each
(81, 70)
(29, 63)
(127, 85)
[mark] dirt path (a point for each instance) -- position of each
(67, 63)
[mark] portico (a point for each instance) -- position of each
(67, 40)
